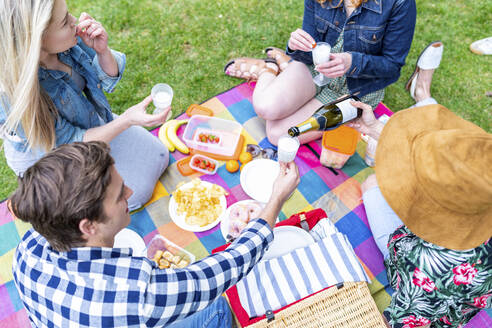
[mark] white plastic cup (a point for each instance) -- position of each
(287, 148)
(162, 97)
(321, 54)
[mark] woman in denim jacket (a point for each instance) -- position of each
(370, 40)
(52, 76)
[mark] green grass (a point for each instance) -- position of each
(187, 43)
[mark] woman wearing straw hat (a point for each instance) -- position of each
(429, 206)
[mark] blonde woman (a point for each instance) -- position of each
(370, 40)
(52, 76)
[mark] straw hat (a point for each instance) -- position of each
(434, 170)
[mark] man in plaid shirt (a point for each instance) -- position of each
(69, 274)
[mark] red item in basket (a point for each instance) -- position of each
(298, 220)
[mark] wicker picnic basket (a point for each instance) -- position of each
(347, 305)
(351, 306)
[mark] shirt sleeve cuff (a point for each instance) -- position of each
(109, 82)
(354, 70)
(261, 227)
(300, 56)
(289, 51)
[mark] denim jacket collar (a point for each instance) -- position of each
(67, 57)
(373, 5)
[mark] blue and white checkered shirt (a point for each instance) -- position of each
(108, 287)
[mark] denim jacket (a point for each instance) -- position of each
(76, 112)
(378, 34)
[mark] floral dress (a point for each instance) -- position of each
(435, 285)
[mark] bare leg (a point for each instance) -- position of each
(422, 88)
(277, 128)
(420, 85)
(423, 84)
(278, 97)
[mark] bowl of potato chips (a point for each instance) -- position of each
(197, 205)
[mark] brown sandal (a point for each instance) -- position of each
(279, 55)
(249, 69)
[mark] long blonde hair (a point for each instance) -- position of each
(22, 25)
(356, 3)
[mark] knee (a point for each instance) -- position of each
(274, 132)
(143, 186)
(158, 156)
(267, 107)
(141, 194)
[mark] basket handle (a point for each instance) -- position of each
(303, 222)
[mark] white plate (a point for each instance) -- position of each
(129, 238)
(180, 219)
(286, 239)
(257, 178)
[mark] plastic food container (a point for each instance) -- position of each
(195, 109)
(161, 243)
(228, 130)
(338, 145)
(199, 169)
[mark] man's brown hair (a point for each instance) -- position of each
(65, 186)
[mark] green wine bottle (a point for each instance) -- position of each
(329, 116)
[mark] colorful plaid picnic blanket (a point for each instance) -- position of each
(318, 187)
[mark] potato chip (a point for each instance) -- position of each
(200, 203)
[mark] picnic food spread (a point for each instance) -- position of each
(199, 202)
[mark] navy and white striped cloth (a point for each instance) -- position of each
(278, 282)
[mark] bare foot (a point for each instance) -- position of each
(273, 66)
(280, 56)
(250, 68)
